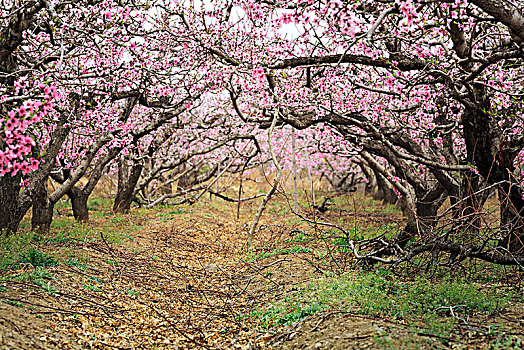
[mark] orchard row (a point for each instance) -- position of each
(420, 98)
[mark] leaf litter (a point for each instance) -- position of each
(179, 280)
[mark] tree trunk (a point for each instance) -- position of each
(79, 203)
(127, 181)
(426, 215)
(468, 206)
(493, 155)
(384, 191)
(511, 220)
(42, 209)
(9, 194)
(186, 181)
(372, 181)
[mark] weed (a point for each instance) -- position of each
(299, 313)
(35, 258)
(166, 216)
(117, 219)
(11, 246)
(38, 276)
(60, 238)
(92, 287)
(507, 342)
(99, 203)
(12, 302)
(76, 263)
(127, 236)
(179, 211)
(94, 284)
(300, 237)
(112, 262)
(283, 313)
(96, 280)
(381, 295)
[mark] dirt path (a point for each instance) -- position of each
(176, 279)
(174, 283)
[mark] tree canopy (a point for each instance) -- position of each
(423, 98)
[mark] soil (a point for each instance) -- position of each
(181, 280)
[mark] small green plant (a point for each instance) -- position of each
(179, 211)
(127, 236)
(96, 204)
(39, 276)
(35, 258)
(12, 302)
(92, 287)
(437, 306)
(300, 237)
(507, 342)
(117, 219)
(76, 263)
(299, 313)
(112, 262)
(11, 246)
(94, 284)
(61, 237)
(284, 313)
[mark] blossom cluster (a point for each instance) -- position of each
(16, 153)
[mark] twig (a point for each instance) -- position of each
(271, 264)
(314, 329)
(50, 307)
(270, 192)
(422, 334)
(12, 323)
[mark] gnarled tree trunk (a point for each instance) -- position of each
(493, 155)
(9, 194)
(127, 180)
(42, 209)
(79, 203)
(384, 191)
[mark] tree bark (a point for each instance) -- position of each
(505, 12)
(127, 180)
(9, 194)
(493, 156)
(42, 209)
(79, 203)
(384, 192)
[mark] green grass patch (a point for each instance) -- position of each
(11, 246)
(283, 313)
(436, 306)
(35, 258)
(39, 276)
